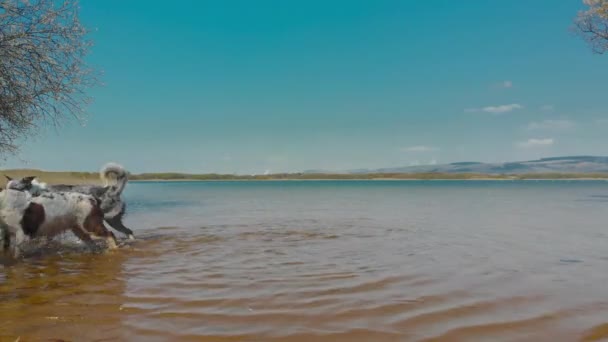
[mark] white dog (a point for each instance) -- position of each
(24, 217)
(109, 196)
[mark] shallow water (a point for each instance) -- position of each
(329, 261)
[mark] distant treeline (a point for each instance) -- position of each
(93, 177)
(367, 176)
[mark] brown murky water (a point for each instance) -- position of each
(329, 262)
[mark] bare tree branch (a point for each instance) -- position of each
(592, 24)
(43, 74)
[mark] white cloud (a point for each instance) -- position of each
(501, 109)
(496, 109)
(433, 162)
(507, 84)
(420, 148)
(530, 143)
(553, 125)
(547, 108)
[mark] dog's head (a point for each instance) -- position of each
(29, 184)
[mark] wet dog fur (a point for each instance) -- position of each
(109, 198)
(24, 217)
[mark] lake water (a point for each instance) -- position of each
(329, 261)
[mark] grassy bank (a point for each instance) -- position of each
(55, 177)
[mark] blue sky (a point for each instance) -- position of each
(255, 86)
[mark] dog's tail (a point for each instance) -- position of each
(114, 176)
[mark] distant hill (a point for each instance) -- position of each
(572, 164)
(576, 167)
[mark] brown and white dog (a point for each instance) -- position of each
(23, 217)
(109, 196)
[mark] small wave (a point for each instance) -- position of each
(293, 235)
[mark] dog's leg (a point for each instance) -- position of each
(8, 248)
(116, 223)
(110, 239)
(93, 224)
(84, 236)
(96, 230)
(88, 236)
(6, 237)
(15, 241)
(48, 240)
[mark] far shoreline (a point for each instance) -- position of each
(67, 177)
(363, 179)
